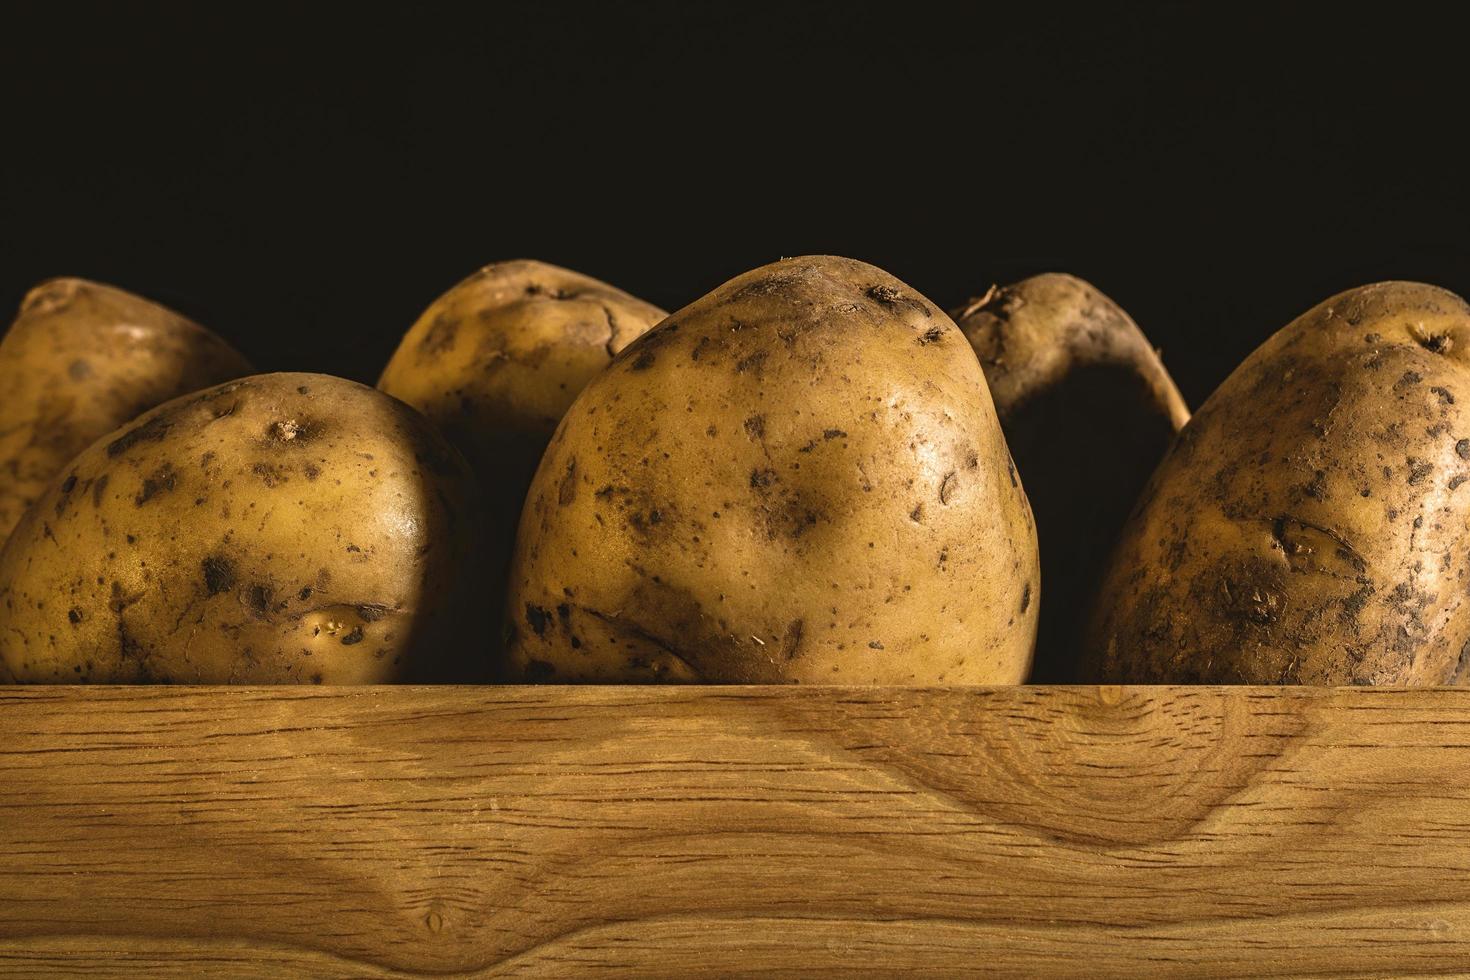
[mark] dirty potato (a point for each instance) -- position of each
(79, 361)
(799, 478)
(1309, 525)
(495, 363)
(283, 528)
(1088, 411)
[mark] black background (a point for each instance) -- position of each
(305, 179)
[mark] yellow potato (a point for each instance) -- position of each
(798, 478)
(1309, 525)
(496, 361)
(283, 528)
(79, 361)
(1088, 411)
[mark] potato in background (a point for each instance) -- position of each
(495, 363)
(80, 360)
(1088, 412)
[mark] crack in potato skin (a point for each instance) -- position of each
(283, 528)
(731, 501)
(1308, 525)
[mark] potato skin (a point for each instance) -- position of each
(81, 359)
(283, 528)
(495, 363)
(798, 478)
(1309, 525)
(1088, 411)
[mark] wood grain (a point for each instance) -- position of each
(518, 832)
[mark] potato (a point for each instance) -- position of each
(79, 361)
(495, 363)
(1308, 526)
(798, 478)
(1088, 411)
(283, 528)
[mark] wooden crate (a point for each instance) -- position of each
(551, 831)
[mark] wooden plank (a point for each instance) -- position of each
(518, 832)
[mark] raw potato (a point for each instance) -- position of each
(284, 528)
(495, 363)
(80, 360)
(1088, 411)
(1309, 525)
(798, 478)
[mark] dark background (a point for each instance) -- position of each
(306, 181)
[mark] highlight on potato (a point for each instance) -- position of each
(281, 528)
(798, 478)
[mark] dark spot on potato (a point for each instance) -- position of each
(316, 678)
(74, 616)
(1462, 448)
(948, 487)
(1437, 343)
(760, 479)
(567, 491)
(79, 370)
(538, 671)
(755, 427)
(154, 430)
(371, 612)
(69, 484)
(643, 361)
(791, 640)
(883, 293)
(1418, 470)
(269, 475)
(874, 645)
(604, 493)
(219, 574)
(440, 336)
(917, 514)
(312, 471)
(1461, 672)
(1026, 597)
(537, 618)
(353, 637)
(305, 593)
(564, 613)
(162, 480)
(259, 598)
(930, 336)
(1317, 489)
(1445, 397)
(752, 362)
(1011, 470)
